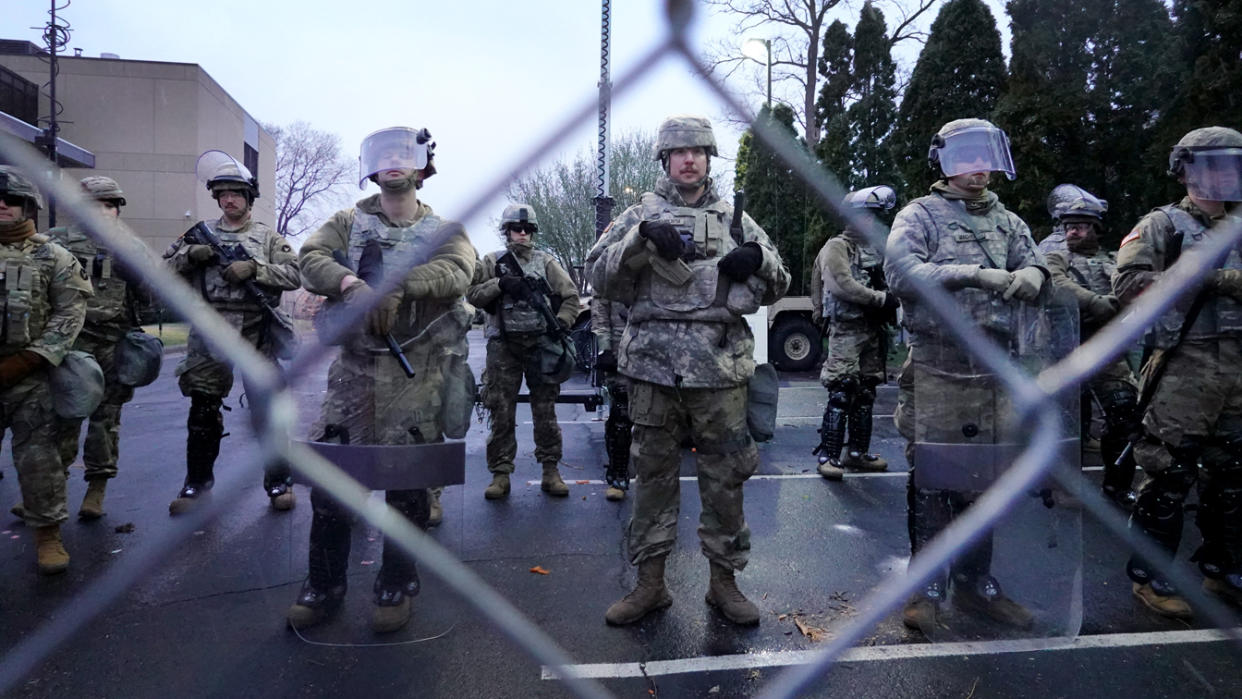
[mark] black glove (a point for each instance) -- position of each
(514, 287)
(742, 262)
(890, 302)
(606, 361)
(664, 236)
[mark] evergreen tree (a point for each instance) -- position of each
(1045, 107)
(833, 148)
(960, 73)
(775, 197)
(1131, 76)
(873, 114)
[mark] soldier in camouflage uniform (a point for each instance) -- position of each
(1086, 271)
(204, 378)
(962, 238)
(688, 277)
(849, 292)
(369, 397)
(110, 313)
(1195, 414)
(608, 319)
(44, 302)
(516, 332)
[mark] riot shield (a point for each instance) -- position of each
(1023, 579)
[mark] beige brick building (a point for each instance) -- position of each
(146, 122)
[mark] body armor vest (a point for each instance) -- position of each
(253, 240)
(1094, 272)
(518, 317)
(106, 309)
(400, 246)
(1221, 315)
(865, 262)
(24, 279)
(706, 296)
(964, 238)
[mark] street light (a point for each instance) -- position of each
(760, 51)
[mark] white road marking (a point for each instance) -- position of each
(892, 652)
(786, 477)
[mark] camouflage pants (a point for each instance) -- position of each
(103, 431)
(854, 350)
(202, 372)
(26, 411)
(502, 379)
(715, 419)
(1199, 396)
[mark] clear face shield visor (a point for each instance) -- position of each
(218, 165)
(976, 150)
(391, 149)
(878, 197)
(1215, 175)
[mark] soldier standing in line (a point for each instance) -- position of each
(1195, 413)
(369, 397)
(961, 238)
(1086, 271)
(272, 266)
(44, 302)
(511, 285)
(689, 267)
(608, 319)
(110, 313)
(849, 291)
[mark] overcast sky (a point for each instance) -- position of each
(489, 78)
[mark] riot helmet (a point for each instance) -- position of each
(1068, 201)
(1209, 162)
(102, 188)
(878, 197)
(397, 148)
(15, 184)
(963, 146)
(222, 172)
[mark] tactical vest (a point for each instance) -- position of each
(515, 317)
(706, 296)
(400, 246)
(1221, 315)
(864, 262)
(108, 305)
(1094, 272)
(253, 240)
(24, 280)
(964, 238)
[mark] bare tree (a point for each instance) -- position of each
(311, 174)
(798, 27)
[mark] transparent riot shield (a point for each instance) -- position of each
(1023, 579)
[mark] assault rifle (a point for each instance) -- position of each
(282, 333)
(371, 270)
(539, 292)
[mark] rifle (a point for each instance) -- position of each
(283, 334)
(507, 265)
(371, 270)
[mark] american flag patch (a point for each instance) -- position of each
(1134, 235)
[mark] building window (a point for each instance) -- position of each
(19, 97)
(251, 158)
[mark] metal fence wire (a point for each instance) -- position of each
(273, 409)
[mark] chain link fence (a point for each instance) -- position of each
(273, 410)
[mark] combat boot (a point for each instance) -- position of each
(648, 595)
(1228, 588)
(856, 455)
(92, 504)
(188, 498)
(552, 483)
(984, 596)
(435, 513)
(499, 487)
(614, 493)
(831, 469)
(18, 510)
(53, 558)
(1163, 599)
(922, 612)
(722, 593)
(392, 605)
(314, 606)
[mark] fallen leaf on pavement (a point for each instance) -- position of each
(540, 570)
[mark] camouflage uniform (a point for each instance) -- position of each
(946, 239)
(608, 320)
(514, 333)
(1195, 414)
(687, 352)
(110, 313)
(43, 316)
(368, 393)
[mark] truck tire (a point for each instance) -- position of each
(795, 345)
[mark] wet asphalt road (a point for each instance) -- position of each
(209, 620)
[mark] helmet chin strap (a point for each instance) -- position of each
(402, 185)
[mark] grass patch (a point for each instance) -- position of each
(173, 334)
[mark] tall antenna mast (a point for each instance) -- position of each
(603, 202)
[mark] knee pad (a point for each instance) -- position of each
(205, 418)
(842, 391)
(1120, 409)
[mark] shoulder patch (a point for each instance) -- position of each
(1133, 236)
